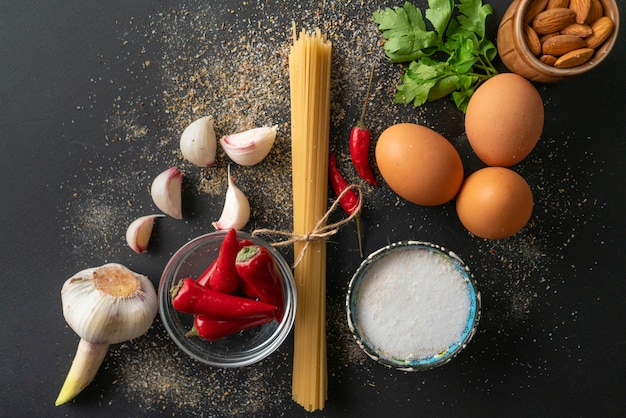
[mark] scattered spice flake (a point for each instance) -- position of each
(202, 59)
(155, 375)
(236, 71)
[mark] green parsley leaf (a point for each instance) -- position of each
(464, 55)
(439, 13)
(461, 98)
(488, 49)
(473, 16)
(444, 86)
(404, 29)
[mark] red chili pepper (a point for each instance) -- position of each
(193, 298)
(245, 242)
(224, 279)
(360, 143)
(256, 266)
(246, 289)
(350, 200)
(212, 329)
(204, 278)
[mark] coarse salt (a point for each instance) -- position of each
(413, 303)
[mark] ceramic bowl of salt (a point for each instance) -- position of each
(413, 305)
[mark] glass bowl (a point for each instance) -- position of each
(412, 305)
(236, 350)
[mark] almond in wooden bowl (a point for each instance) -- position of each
(594, 22)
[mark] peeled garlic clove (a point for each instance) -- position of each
(166, 192)
(249, 147)
(139, 232)
(236, 212)
(198, 143)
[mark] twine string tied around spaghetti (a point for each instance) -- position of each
(321, 231)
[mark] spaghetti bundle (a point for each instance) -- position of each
(309, 77)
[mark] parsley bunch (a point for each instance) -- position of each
(453, 58)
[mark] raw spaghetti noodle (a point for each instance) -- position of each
(309, 78)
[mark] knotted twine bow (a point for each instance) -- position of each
(321, 231)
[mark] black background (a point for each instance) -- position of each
(552, 334)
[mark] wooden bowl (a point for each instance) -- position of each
(518, 58)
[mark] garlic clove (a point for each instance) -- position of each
(139, 232)
(236, 211)
(166, 192)
(197, 142)
(249, 147)
(104, 305)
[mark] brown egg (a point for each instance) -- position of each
(504, 120)
(494, 203)
(419, 164)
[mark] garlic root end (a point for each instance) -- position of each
(87, 361)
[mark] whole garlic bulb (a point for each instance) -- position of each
(197, 142)
(104, 305)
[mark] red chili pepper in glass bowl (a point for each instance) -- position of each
(360, 139)
(255, 265)
(224, 279)
(350, 200)
(193, 298)
(204, 278)
(222, 315)
(212, 329)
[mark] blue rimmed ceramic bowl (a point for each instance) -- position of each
(413, 305)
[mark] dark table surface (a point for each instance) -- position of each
(93, 98)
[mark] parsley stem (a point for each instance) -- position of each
(486, 66)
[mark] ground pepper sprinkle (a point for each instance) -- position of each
(229, 61)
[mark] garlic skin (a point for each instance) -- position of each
(166, 192)
(139, 232)
(197, 142)
(104, 305)
(236, 211)
(109, 304)
(249, 147)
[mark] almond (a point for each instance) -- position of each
(601, 29)
(595, 12)
(574, 58)
(534, 8)
(581, 8)
(561, 44)
(557, 3)
(532, 40)
(576, 29)
(548, 59)
(547, 36)
(553, 20)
